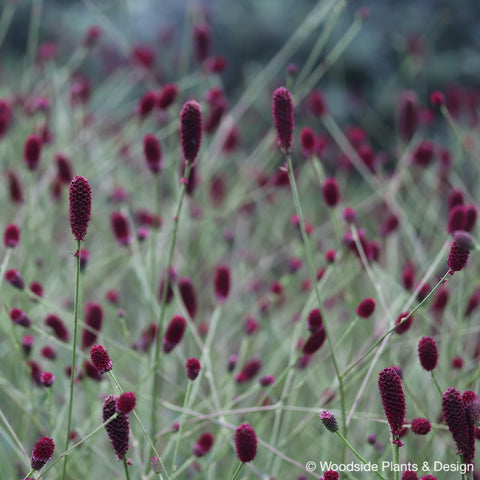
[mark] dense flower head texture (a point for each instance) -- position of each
(282, 111)
(191, 130)
(100, 359)
(80, 195)
(118, 429)
(246, 443)
(42, 452)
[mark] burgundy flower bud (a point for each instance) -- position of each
(93, 324)
(64, 168)
(471, 214)
(366, 308)
(80, 206)
(409, 475)
(42, 452)
(90, 371)
(19, 317)
(143, 56)
(455, 415)
(84, 258)
(408, 115)
(423, 154)
(349, 215)
(13, 278)
(14, 187)
(267, 380)
(100, 359)
(393, 401)
(245, 443)
(314, 320)
(146, 104)
(92, 35)
(455, 197)
(428, 353)
(11, 236)
(156, 464)
(403, 325)
(249, 370)
(428, 477)
(32, 151)
(47, 379)
(222, 282)
(174, 333)
(437, 98)
(59, 328)
(203, 444)
(317, 103)
(308, 141)
(420, 426)
(118, 429)
(330, 475)
(193, 368)
(121, 228)
(459, 251)
(189, 296)
(215, 115)
(314, 342)
(329, 421)
(49, 352)
(190, 130)
(167, 96)
(282, 111)
(202, 37)
(126, 403)
(152, 152)
(27, 343)
(456, 218)
(408, 276)
(251, 325)
(330, 192)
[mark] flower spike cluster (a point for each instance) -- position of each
(80, 195)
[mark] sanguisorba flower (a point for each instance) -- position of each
(93, 324)
(190, 130)
(459, 251)
(193, 368)
(393, 401)
(100, 359)
(42, 452)
(152, 152)
(246, 443)
(126, 402)
(282, 111)
(118, 429)
(80, 195)
(428, 353)
(11, 236)
(329, 421)
(222, 282)
(203, 444)
(174, 333)
(32, 151)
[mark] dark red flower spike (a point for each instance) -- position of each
(118, 429)
(190, 130)
(174, 333)
(100, 359)
(42, 452)
(282, 111)
(245, 443)
(80, 206)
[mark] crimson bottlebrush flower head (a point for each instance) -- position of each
(249, 370)
(93, 324)
(393, 401)
(222, 282)
(100, 359)
(167, 96)
(459, 251)
(314, 320)
(455, 415)
(409, 475)
(118, 429)
(366, 307)
(441, 299)
(153, 153)
(42, 452)
(59, 328)
(174, 333)
(64, 168)
(420, 426)
(120, 228)
(428, 353)
(403, 325)
(329, 421)
(14, 187)
(189, 296)
(308, 141)
(126, 403)
(408, 115)
(146, 104)
(246, 443)
(14, 278)
(19, 317)
(27, 342)
(191, 130)
(282, 111)
(471, 215)
(456, 218)
(314, 342)
(32, 151)
(193, 368)
(47, 379)
(267, 380)
(11, 236)
(48, 352)
(330, 475)
(80, 195)
(330, 192)
(203, 444)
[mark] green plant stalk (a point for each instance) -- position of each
(74, 354)
(184, 467)
(434, 378)
(127, 476)
(237, 470)
(155, 386)
(309, 255)
(182, 418)
(395, 455)
(347, 444)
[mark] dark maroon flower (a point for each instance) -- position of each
(456, 218)
(420, 426)
(455, 415)
(120, 228)
(403, 325)
(314, 321)
(167, 96)
(202, 37)
(191, 130)
(92, 35)
(330, 192)
(100, 359)
(19, 317)
(314, 342)
(409, 475)
(437, 98)
(459, 251)
(393, 401)
(193, 368)
(143, 56)
(32, 151)
(14, 278)
(14, 187)
(91, 371)
(330, 475)
(428, 477)
(251, 325)
(222, 282)
(473, 302)
(471, 214)
(174, 333)
(49, 352)
(317, 103)
(27, 342)
(329, 421)
(84, 258)
(267, 380)
(42, 452)
(203, 444)
(118, 429)
(47, 379)
(11, 236)
(245, 443)
(423, 154)
(59, 328)
(153, 153)
(93, 324)
(126, 403)
(455, 197)
(408, 115)
(428, 353)
(457, 363)
(366, 308)
(35, 371)
(282, 111)
(80, 206)
(146, 104)
(64, 168)
(249, 370)
(189, 296)
(308, 141)
(441, 299)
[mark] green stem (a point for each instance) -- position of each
(74, 355)
(179, 434)
(347, 444)
(436, 383)
(176, 218)
(237, 470)
(395, 452)
(126, 468)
